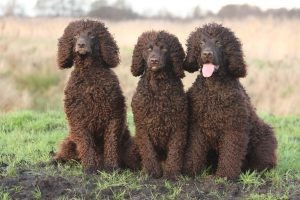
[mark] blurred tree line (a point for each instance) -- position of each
(120, 10)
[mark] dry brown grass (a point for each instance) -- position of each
(30, 78)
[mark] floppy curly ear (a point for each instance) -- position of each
(65, 48)
(236, 62)
(108, 48)
(177, 56)
(193, 49)
(138, 64)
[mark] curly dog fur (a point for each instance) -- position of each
(159, 104)
(94, 103)
(223, 122)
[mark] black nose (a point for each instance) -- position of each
(81, 45)
(153, 60)
(207, 53)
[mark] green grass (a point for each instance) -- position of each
(117, 179)
(173, 190)
(288, 135)
(251, 179)
(27, 137)
(4, 195)
(37, 194)
(268, 196)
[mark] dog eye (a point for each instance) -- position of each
(92, 36)
(202, 43)
(218, 43)
(150, 48)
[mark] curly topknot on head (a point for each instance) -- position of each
(106, 48)
(231, 56)
(174, 52)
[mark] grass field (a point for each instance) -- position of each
(30, 80)
(27, 137)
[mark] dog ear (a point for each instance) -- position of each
(193, 50)
(176, 55)
(109, 49)
(65, 47)
(138, 64)
(236, 63)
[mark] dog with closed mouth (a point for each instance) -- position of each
(159, 104)
(94, 103)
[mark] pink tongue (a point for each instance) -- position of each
(208, 69)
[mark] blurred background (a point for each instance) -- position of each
(269, 31)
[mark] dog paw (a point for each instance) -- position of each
(155, 172)
(229, 176)
(188, 172)
(110, 168)
(172, 176)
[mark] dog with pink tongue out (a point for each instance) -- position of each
(224, 130)
(208, 69)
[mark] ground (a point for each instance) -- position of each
(27, 138)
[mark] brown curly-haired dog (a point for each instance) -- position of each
(159, 104)
(94, 103)
(223, 122)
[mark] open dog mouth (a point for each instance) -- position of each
(208, 69)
